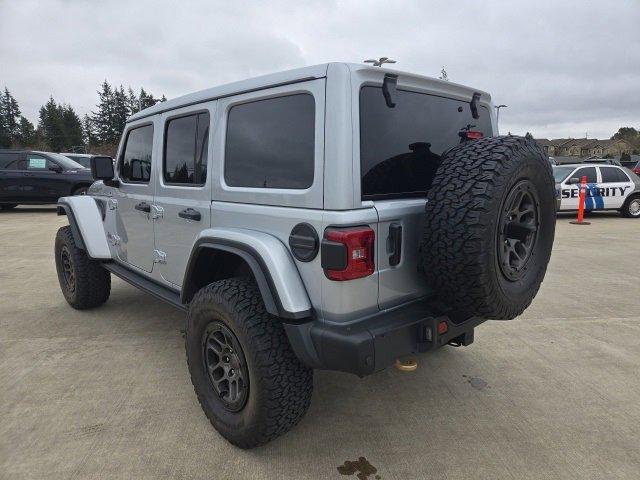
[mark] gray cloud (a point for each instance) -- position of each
(564, 68)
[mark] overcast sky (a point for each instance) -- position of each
(564, 68)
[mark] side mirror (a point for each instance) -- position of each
(54, 167)
(573, 181)
(102, 168)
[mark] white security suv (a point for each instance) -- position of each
(337, 217)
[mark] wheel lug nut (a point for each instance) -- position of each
(231, 372)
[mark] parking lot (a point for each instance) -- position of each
(106, 393)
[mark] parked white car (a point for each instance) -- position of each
(609, 187)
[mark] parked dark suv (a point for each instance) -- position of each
(30, 177)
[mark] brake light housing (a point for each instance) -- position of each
(348, 253)
(473, 135)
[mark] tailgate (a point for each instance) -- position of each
(397, 242)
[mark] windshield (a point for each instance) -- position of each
(84, 161)
(66, 162)
(401, 147)
(560, 173)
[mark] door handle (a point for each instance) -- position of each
(395, 244)
(143, 207)
(190, 214)
(28, 174)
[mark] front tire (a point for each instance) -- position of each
(83, 281)
(248, 381)
(631, 208)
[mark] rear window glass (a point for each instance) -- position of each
(270, 143)
(400, 147)
(610, 175)
(185, 157)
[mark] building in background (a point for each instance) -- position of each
(584, 147)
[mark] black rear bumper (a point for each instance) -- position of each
(373, 343)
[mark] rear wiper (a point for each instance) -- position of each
(474, 105)
(389, 88)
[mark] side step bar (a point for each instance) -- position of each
(149, 286)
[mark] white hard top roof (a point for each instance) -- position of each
(272, 80)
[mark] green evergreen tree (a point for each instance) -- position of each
(71, 128)
(132, 102)
(50, 127)
(104, 119)
(26, 134)
(88, 133)
(10, 119)
(120, 110)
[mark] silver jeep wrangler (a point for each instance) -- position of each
(338, 217)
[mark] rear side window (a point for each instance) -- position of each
(270, 143)
(9, 161)
(611, 175)
(37, 162)
(136, 159)
(185, 151)
(401, 147)
(589, 172)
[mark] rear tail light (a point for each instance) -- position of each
(636, 171)
(347, 253)
(473, 135)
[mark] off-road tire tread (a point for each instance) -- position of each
(460, 206)
(288, 382)
(93, 282)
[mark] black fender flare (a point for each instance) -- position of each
(64, 209)
(258, 268)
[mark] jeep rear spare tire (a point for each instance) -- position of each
(489, 226)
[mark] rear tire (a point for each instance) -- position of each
(631, 208)
(489, 227)
(230, 334)
(83, 281)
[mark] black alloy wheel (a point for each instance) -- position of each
(68, 273)
(225, 365)
(518, 230)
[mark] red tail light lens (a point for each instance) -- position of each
(347, 253)
(473, 135)
(636, 171)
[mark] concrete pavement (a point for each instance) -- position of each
(106, 393)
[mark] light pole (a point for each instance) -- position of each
(498, 107)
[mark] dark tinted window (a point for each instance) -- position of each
(610, 175)
(589, 172)
(400, 147)
(186, 143)
(9, 161)
(270, 143)
(136, 160)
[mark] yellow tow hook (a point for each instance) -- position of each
(407, 364)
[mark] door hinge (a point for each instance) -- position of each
(112, 203)
(113, 239)
(157, 211)
(159, 257)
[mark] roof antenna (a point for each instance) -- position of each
(380, 61)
